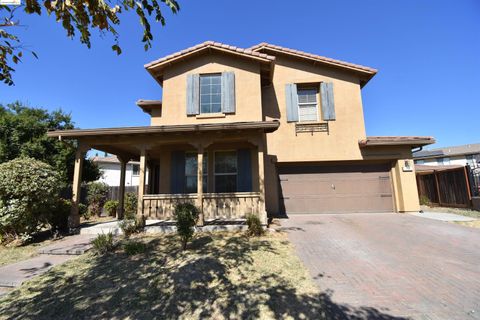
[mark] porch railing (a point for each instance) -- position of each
(221, 206)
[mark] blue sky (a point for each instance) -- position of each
(427, 53)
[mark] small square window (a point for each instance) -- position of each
(135, 169)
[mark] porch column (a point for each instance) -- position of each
(74, 218)
(141, 185)
(121, 189)
(201, 218)
(261, 182)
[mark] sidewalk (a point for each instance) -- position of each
(14, 274)
(443, 216)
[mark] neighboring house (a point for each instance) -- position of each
(468, 154)
(110, 169)
(276, 131)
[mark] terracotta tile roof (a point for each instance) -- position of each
(265, 45)
(396, 140)
(211, 44)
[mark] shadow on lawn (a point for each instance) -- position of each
(167, 283)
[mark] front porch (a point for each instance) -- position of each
(226, 187)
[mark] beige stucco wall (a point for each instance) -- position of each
(342, 141)
(247, 89)
(405, 186)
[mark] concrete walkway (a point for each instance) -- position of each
(443, 216)
(13, 275)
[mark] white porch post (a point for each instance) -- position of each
(261, 182)
(121, 199)
(74, 218)
(141, 185)
(201, 219)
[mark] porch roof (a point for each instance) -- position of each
(414, 141)
(265, 126)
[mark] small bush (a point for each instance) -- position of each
(129, 227)
(83, 211)
(58, 218)
(254, 226)
(29, 191)
(134, 247)
(130, 205)
(111, 207)
(424, 201)
(97, 193)
(186, 216)
(103, 243)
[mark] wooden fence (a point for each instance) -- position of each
(445, 187)
(114, 192)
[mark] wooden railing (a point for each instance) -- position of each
(230, 206)
(162, 206)
(221, 206)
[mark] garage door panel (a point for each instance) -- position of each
(336, 189)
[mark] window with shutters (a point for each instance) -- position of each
(225, 171)
(191, 161)
(210, 93)
(307, 104)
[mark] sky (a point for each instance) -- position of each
(427, 53)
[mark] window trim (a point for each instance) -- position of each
(224, 174)
(200, 113)
(317, 96)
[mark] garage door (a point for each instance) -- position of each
(335, 189)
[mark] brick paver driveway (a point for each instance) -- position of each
(394, 264)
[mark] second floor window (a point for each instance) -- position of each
(210, 93)
(307, 104)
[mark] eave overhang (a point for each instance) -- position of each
(412, 141)
(265, 126)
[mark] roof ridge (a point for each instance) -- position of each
(262, 45)
(210, 43)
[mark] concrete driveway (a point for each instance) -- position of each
(397, 265)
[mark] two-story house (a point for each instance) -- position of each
(276, 131)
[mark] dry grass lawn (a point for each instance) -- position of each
(463, 212)
(11, 253)
(220, 276)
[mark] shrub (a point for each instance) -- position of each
(83, 211)
(129, 227)
(111, 207)
(130, 205)
(58, 218)
(254, 226)
(134, 247)
(29, 191)
(103, 243)
(97, 193)
(186, 216)
(424, 201)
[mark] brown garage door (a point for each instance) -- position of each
(335, 189)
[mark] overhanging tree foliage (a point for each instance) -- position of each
(23, 134)
(77, 17)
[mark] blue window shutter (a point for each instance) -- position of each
(177, 173)
(244, 170)
(328, 105)
(228, 92)
(291, 99)
(193, 94)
